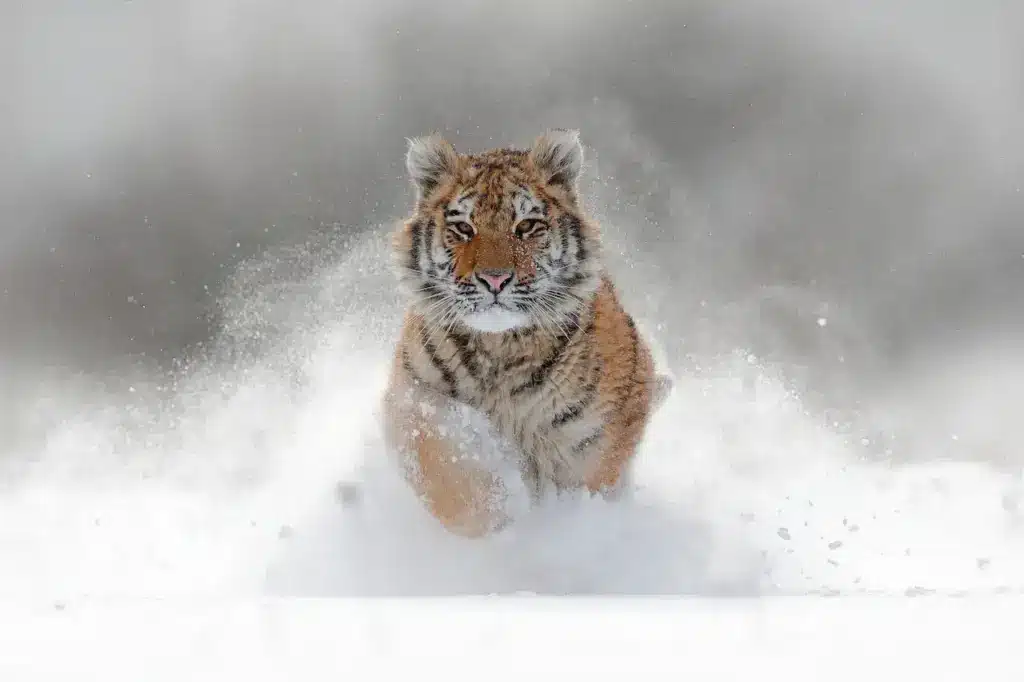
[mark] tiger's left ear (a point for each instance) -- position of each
(558, 157)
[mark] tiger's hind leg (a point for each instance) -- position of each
(613, 472)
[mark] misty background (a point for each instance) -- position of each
(834, 188)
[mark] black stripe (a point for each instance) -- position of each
(414, 253)
(431, 351)
(531, 475)
(573, 225)
(565, 243)
(409, 369)
(635, 337)
(466, 357)
(426, 237)
(573, 280)
(540, 375)
(431, 290)
(588, 441)
(517, 363)
(575, 411)
(573, 318)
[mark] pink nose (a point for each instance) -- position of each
(494, 279)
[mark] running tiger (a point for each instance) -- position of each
(515, 349)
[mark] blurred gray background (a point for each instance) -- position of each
(835, 187)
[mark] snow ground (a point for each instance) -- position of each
(711, 639)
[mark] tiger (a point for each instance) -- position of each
(515, 349)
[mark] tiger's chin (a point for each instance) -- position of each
(495, 320)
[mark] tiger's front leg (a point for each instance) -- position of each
(452, 458)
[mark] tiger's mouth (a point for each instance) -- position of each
(496, 317)
(502, 305)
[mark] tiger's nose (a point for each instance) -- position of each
(494, 279)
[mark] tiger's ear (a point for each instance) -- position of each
(558, 157)
(429, 160)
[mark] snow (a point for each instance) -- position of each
(515, 638)
(172, 533)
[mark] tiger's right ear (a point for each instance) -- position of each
(429, 160)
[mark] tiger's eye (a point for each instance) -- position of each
(531, 228)
(461, 230)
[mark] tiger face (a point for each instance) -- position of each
(497, 241)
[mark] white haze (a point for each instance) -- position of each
(798, 453)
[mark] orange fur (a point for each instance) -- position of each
(629, 386)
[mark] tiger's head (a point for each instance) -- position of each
(498, 240)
